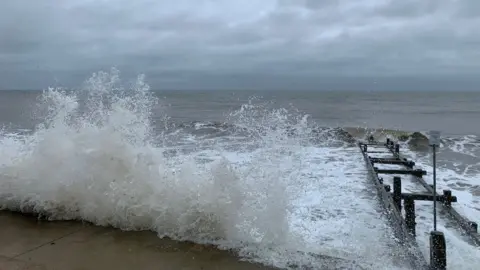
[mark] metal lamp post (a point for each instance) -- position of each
(438, 258)
(434, 141)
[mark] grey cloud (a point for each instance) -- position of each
(466, 9)
(187, 44)
(410, 8)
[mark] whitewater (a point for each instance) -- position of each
(271, 184)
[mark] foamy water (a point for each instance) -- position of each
(276, 198)
(460, 253)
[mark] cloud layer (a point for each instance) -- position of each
(235, 44)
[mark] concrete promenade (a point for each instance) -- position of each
(27, 243)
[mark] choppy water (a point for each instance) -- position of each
(265, 173)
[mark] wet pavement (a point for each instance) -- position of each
(29, 243)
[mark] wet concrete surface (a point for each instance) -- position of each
(29, 243)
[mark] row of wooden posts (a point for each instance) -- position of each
(392, 200)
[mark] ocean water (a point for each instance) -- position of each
(269, 174)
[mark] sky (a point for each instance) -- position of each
(264, 44)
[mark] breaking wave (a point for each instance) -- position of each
(97, 157)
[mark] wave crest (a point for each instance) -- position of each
(98, 161)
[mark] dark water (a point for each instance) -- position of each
(456, 115)
(453, 113)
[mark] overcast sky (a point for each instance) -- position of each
(243, 43)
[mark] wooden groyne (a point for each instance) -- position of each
(393, 199)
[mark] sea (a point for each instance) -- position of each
(272, 175)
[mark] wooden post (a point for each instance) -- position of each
(397, 192)
(409, 205)
(448, 197)
(438, 254)
(474, 226)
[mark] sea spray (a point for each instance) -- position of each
(94, 157)
(98, 155)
